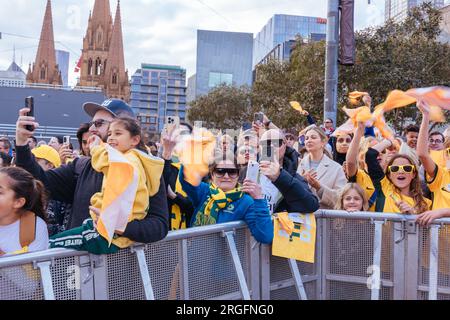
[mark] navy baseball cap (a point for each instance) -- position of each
(115, 107)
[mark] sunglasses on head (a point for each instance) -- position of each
(220, 172)
(272, 143)
(342, 140)
(406, 168)
(98, 123)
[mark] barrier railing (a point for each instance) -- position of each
(358, 256)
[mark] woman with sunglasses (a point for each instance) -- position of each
(224, 200)
(340, 144)
(398, 187)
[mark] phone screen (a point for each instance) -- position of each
(259, 117)
(266, 153)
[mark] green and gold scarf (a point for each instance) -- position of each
(217, 200)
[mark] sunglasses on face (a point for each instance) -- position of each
(98, 123)
(342, 140)
(406, 168)
(272, 143)
(220, 172)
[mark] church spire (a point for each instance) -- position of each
(116, 77)
(45, 69)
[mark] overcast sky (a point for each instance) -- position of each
(154, 31)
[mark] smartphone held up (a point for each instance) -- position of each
(29, 104)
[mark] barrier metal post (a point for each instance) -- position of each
(434, 256)
(184, 270)
(377, 241)
(229, 235)
(143, 270)
(46, 278)
(412, 256)
(254, 266)
(265, 254)
(399, 261)
(297, 279)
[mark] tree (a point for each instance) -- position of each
(398, 56)
(224, 107)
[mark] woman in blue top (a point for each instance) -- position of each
(224, 200)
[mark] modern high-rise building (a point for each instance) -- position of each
(62, 60)
(190, 91)
(281, 29)
(223, 57)
(158, 91)
(398, 9)
(445, 25)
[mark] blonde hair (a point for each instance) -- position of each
(345, 189)
(319, 131)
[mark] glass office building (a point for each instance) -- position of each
(158, 91)
(222, 57)
(281, 28)
(62, 59)
(398, 9)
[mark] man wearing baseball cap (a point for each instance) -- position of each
(77, 181)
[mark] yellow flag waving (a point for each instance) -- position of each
(301, 243)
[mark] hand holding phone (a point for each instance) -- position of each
(252, 171)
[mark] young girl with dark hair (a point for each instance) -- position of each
(22, 212)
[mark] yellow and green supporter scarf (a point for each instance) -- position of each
(177, 217)
(217, 200)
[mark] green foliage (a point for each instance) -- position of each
(392, 56)
(224, 107)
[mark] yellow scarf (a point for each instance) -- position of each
(178, 218)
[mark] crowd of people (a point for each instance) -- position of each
(116, 190)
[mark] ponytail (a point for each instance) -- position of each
(38, 201)
(25, 186)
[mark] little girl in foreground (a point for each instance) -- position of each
(131, 176)
(352, 198)
(22, 213)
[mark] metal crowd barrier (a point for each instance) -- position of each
(358, 256)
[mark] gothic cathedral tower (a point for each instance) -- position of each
(44, 69)
(103, 63)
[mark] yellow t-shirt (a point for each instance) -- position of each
(440, 187)
(364, 181)
(392, 195)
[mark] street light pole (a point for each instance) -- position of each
(331, 67)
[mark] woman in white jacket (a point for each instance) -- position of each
(325, 176)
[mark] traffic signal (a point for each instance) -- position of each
(347, 32)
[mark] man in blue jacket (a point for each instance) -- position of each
(75, 183)
(283, 188)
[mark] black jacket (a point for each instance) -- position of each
(170, 175)
(297, 196)
(77, 182)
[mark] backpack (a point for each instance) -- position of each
(27, 232)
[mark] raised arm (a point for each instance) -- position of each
(422, 141)
(352, 153)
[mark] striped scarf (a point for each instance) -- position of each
(217, 200)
